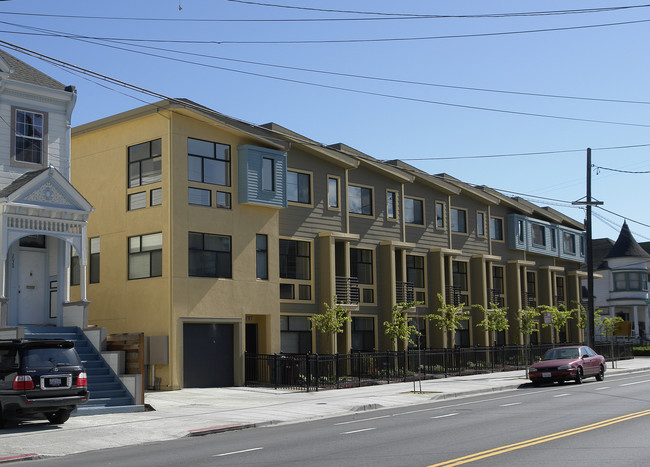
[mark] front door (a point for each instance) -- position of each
(32, 307)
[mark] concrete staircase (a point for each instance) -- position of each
(107, 393)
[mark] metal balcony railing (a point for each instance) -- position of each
(558, 300)
(453, 295)
(404, 292)
(496, 296)
(528, 299)
(347, 290)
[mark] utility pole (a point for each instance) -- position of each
(590, 258)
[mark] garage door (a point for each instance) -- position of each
(208, 355)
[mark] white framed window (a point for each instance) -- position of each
(391, 205)
(480, 223)
(333, 192)
(29, 143)
(458, 220)
(496, 228)
(440, 215)
(299, 187)
(539, 234)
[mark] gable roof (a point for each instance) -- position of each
(626, 246)
(17, 70)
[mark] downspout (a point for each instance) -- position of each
(68, 134)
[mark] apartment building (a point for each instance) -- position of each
(223, 237)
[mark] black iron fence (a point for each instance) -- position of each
(311, 372)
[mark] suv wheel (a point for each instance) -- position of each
(59, 417)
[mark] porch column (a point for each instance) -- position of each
(635, 333)
(647, 322)
(82, 282)
(66, 277)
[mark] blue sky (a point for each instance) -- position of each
(385, 86)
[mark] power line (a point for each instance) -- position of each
(379, 16)
(53, 33)
(598, 169)
(411, 15)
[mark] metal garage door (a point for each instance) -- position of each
(208, 355)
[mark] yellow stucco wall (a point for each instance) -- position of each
(160, 305)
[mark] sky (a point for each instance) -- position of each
(508, 94)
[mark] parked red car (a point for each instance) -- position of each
(571, 363)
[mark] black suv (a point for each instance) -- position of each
(40, 377)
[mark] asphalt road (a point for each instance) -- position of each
(595, 423)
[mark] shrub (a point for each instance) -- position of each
(641, 351)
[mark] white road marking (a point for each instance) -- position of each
(636, 382)
(601, 388)
(562, 395)
(358, 431)
(446, 415)
(237, 452)
(510, 405)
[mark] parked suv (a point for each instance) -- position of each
(40, 378)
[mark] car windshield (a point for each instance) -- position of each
(49, 357)
(556, 354)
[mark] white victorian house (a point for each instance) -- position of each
(42, 217)
(621, 282)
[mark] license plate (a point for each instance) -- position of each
(546, 375)
(54, 382)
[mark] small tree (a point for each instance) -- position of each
(331, 321)
(495, 319)
(399, 328)
(608, 325)
(580, 313)
(448, 318)
(559, 317)
(528, 319)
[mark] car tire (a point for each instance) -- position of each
(560, 382)
(59, 417)
(579, 375)
(601, 374)
(536, 383)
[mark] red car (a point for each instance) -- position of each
(571, 363)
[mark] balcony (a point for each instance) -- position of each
(347, 290)
(558, 300)
(404, 292)
(528, 299)
(453, 295)
(496, 296)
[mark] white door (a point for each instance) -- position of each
(32, 307)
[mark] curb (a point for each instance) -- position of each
(220, 429)
(21, 457)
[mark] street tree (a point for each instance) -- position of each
(399, 328)
(559, 318)
(448, 318)
(495, 319)
(528, 323)
(608, 326)
(331, 321)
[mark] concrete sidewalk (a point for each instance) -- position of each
(190, 412)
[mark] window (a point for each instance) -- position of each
(298, 187)
(262, 256)
(295, 265)
(208, 162)
(498, 286)
(199, 197)
(569, 242)
(333, 192)
(268, 174)
(391, 204)
(210, 255)
(361, 267)
(363, 334)
(440, 215)
(145, 256)
(223, 200)
(156, 197)
(360, 200)
(137, 200)
(539, 234)
(480, 224)
(520, 230)
(553, 234)
(145, 163)
(630, 281)
(560, 290)
(496, 228)
(94, 260)
(29, 143)
(415, 275)
(413, 211)
(459, 272)
(295, 334)
(75, 268)
(458, 220)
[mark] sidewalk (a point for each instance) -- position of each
(190, 412)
